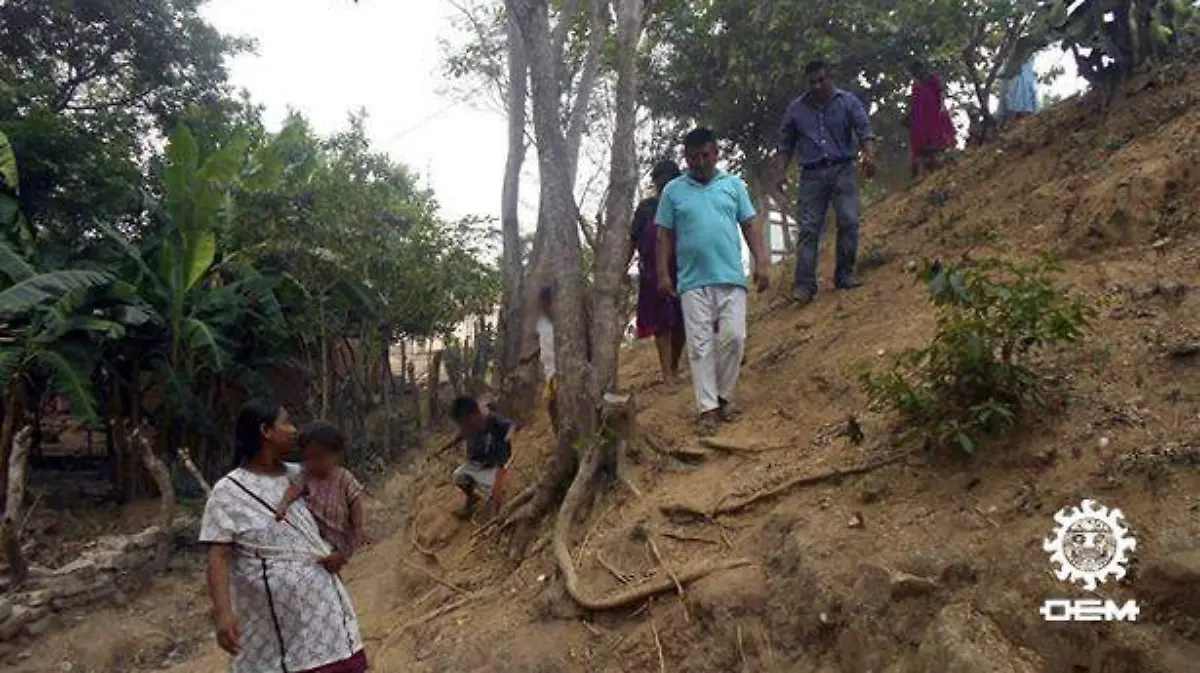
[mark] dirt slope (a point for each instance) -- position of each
(1120, 195)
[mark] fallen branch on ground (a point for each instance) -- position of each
(622, 576)
(796, 482)
(166, 490)
(430, 616)
(588, 536)
(643, 532)
(185, 457)
(662, 660)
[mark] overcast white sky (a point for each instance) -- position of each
(328, 57)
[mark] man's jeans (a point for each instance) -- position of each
(818, 188)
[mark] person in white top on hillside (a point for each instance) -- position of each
(545, 330)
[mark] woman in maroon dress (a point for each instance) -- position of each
(657, 316)
(931, 131)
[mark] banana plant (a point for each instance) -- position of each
(52, 319)
(200, 306)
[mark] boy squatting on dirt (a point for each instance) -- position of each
(332, 494)
(489, 446)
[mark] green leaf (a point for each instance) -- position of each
(201, 252)
(13, 265)
(12, 358)
(183, 155)
(203, 339)
(8, 166)
(44, 287)
(73, 382)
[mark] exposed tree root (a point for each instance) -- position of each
(412, 537)
(683, 454)
(689, 538)
(742, 503)
(735, 446)
(576, 494)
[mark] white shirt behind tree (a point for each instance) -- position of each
(545, 330)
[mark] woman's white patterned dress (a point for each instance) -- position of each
(294, 615)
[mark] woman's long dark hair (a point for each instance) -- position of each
(247, 435)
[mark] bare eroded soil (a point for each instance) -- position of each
(930, 564)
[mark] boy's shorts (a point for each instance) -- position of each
(472, 473)
(551, 388)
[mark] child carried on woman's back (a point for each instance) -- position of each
(329, 490)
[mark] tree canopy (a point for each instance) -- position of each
(158, 242)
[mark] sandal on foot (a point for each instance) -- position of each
(727, 412)
(706, 424)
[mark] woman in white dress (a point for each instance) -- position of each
(278, 607)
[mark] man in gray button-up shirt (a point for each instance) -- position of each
(818, 130)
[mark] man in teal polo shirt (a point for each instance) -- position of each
(705, 209)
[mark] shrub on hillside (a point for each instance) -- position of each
(976, 377)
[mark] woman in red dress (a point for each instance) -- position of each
(931, 132)
(657, 316)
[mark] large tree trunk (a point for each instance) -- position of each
(614, 236)
(576, 411)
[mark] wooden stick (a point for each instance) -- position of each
(670, 573)
(766, 638)
(432, 576)
(430, 616)
(166, 489)
(662, 660)
(592, 529)
(185, 457)
(25, 520)
(721, 530)
(742, 651)
(622, 577)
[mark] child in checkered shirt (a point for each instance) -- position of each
(329, 490)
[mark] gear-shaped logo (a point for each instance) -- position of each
(1089, 544)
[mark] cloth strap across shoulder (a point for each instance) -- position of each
(318, 545)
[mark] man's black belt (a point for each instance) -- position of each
(826, 163)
